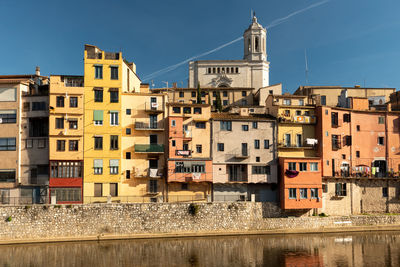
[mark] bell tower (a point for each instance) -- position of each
(255, 42)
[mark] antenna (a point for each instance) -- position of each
(305, 58)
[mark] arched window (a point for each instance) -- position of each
(232, 70)
(223, 70)
(263, 45)
(257, 47)
(249, 45)
(218, 70)
(237, 70)
(213, 70)
(227, 70)
(223, 85)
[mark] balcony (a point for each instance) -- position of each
(183, 153)
(298, 119)
(149, 148)
(147, 126)
(153, 107)
(147, 173)
(304, 145)
(243, 153)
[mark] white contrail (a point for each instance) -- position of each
(271, 25)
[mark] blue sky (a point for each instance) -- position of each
(347, 42)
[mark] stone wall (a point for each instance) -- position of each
(91, 221)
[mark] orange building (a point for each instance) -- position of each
(301, 183)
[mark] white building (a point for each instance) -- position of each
(251, 72)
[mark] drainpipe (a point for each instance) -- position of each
(387, 157)
(351, 161)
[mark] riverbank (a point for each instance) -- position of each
(35, 224)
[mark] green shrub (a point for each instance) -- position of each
(323, 215)
(68, 206)
(193, 209)
(9, 219)
(28, 207)
(57, 206)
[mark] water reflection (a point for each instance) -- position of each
(358, 249)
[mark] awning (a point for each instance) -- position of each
(97, 115)
(98, 163)
(114, 162)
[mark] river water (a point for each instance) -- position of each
(376, 249)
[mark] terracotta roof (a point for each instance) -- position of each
(252, 117)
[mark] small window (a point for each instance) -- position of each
(98, 72)
(114, 118)
(313, 166)
(60, 145)
(98, 95)
(98, 190)
(385, 192)
(181, 94)
(257, 159)
(60, 101)
(187, 110)
(128, 111)
(176, 110)
(358, 128)
(255, 125)
(224, 93)
(314, 193)
(303, 166)
(201, 125)
(113, 142)
(128, 131)
(303, 193)
(256, 144)
(244, 93)
(292, 193)
(73, 145)
(323, 100)
(326, 112)
(343, 156)
(98, 142)
(357, 154)
(381, 140)
(220, 147)
(173, 123)
(325, 188)
(153, 186)
(59, 123)
(197, 110)
(346, 118)
(114, 95)
(193, 93)
(298, 112)
(301, 102)
(173, 143)
(340, 189)
(245, 127)
(73, 124)
(266, 144)
(287, 102)
(28, 143)
(292, 166)
(225, 102)
(199, 149)
(225, 125)
(381, 120)
(214, 93)
(128, 174)
(128, 155)
(73, 102)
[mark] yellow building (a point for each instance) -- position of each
(143, 140)
(66, 138)
(296, 124)
(106, 76)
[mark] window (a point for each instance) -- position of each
(287, 102)
(153, 186)
(313, 166)
(255, 125)
(199, 148)
(128, 111)
(201, 125)
(340, 189)
(60, 145)
(128, 155)
(59, 123)
(286, 113)
(257, 144)
(114, 98)
(385, 192)
(323, 100)
(73, 145)
(260, 169)
(8, 94)
(98, 71)
(187, 110)
(193, 94)
(8, 144)
(381, 140)
(271, 92)
(65, 169)
(225, 125)
(292, 193)
(114, 164)
(266, 144)
(113, 189)
(173, 123)
(306, 113)
(8, 116)
(173, 143)
(185, 186)
(336, 142)
(113, 118)
(334, 119)
(225, 102)
(346, 117)
(98, 190)
(314, 193)
(358, 128)
(220, 147)
(298, 112)
(114, 72)
(38, 106)
(214, 93)
(303, 166)
(98, 94)
(303, 193)
(381, 120)
(224, 93)
(114, 142)
(357, 154)
(181, 94)
(67, 194)
(60, 101)
(98, 142)
(292, 166)
(301, 102)
(258, 159)
(244, 93)
(73, 102)
(245, 128)
(128, 174)
(176, 110)
(197, 110)
(41, 143)
(325, 188)
(347, 140)
(128, 131)
(28, 143)
(7, 176)
(73, 124)
(98, 166)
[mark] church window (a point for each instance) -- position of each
(223, 70)
(232, 70)
(237, 70)
(249, 44)
(257, 45)
(213, 70)
(218, 70)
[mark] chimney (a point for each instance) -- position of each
(37, 72)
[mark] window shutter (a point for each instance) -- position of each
(98, 163)
(114, 162)
(97, 115)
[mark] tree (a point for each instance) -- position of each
(218, 104)
(198, 93)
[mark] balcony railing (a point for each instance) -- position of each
(241, 153)
(153, 107)
(146, 126)
(301, 145)
(298, 119)
(149, 148)
(148, 173)
(184, 153)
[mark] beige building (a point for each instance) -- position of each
(329, 95)
(244, 155)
